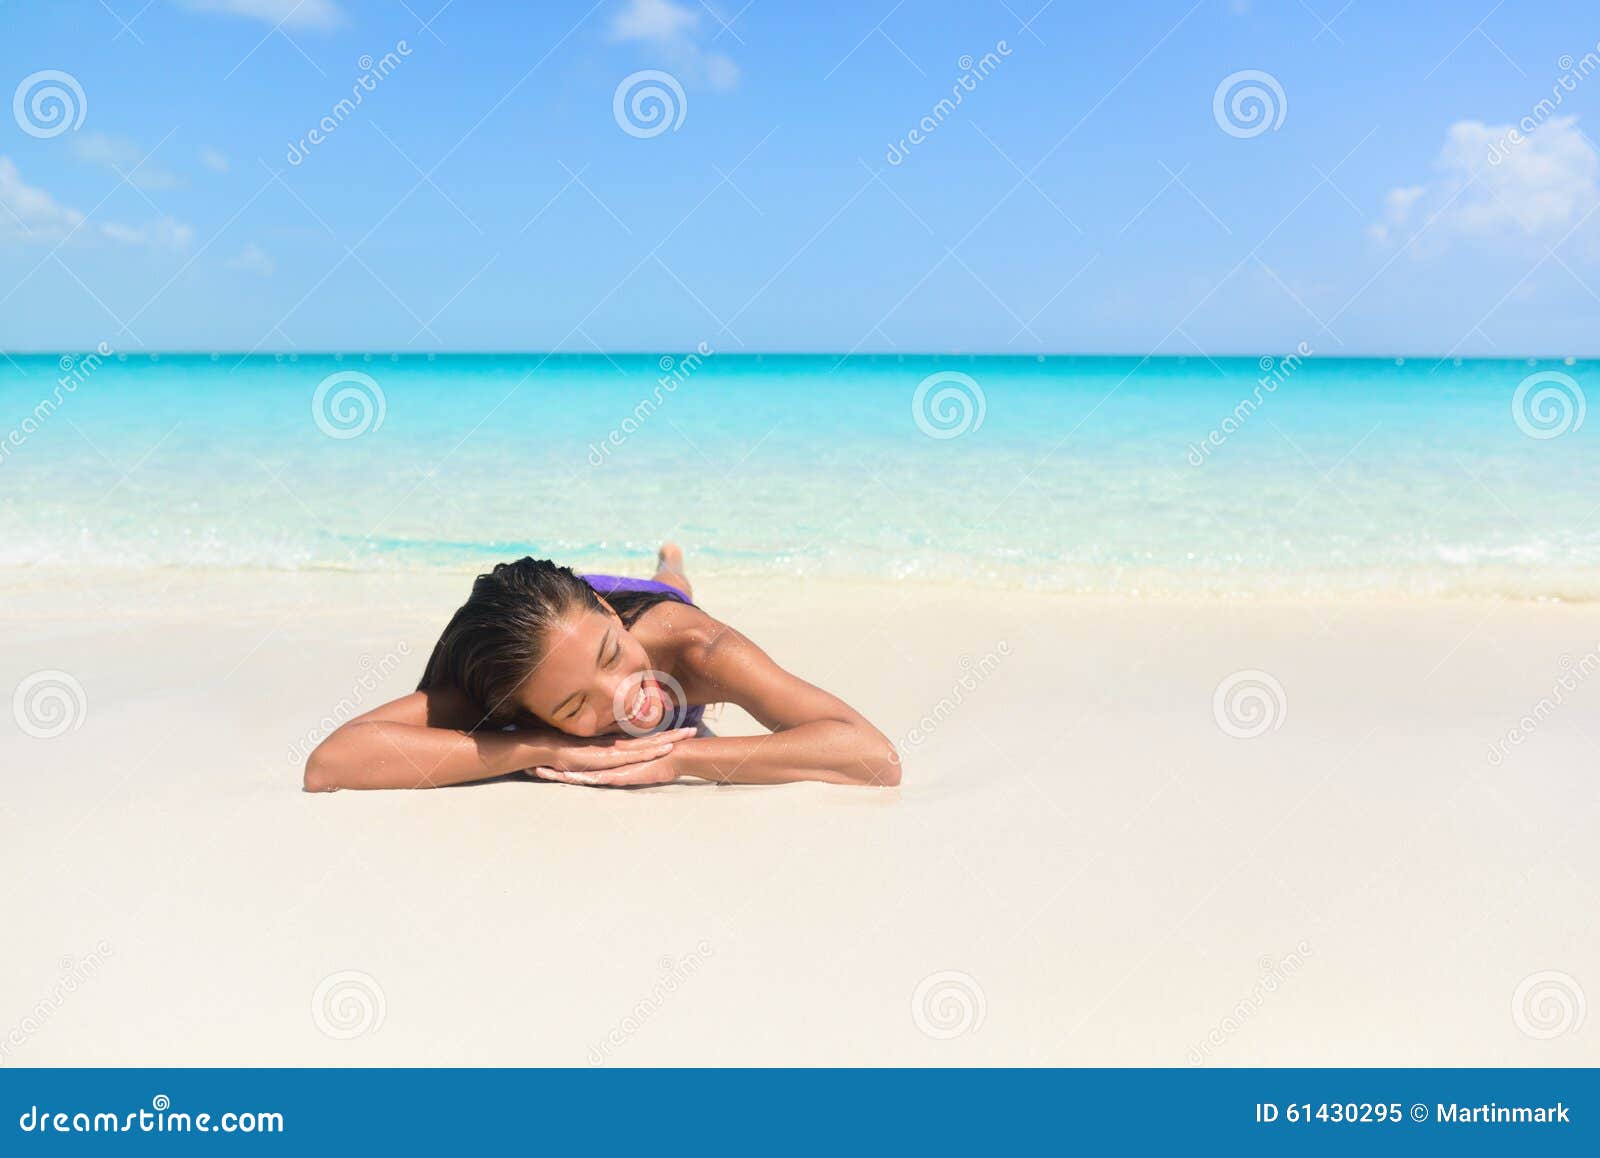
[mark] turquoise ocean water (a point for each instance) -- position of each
(1069, 473)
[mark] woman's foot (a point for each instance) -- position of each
(669, 568)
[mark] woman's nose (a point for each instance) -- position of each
(614, 697)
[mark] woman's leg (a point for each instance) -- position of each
(669, 568)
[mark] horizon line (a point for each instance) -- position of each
(244, 355)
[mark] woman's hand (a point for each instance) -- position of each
(657, 771)
(562, 756)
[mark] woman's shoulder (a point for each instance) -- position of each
(683, 629)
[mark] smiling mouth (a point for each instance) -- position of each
(645, 708)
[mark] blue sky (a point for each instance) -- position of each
(1086, 195)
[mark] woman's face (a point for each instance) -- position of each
(595, 679)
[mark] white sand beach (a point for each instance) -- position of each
(1081, 867)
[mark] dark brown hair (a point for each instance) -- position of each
(498, 636)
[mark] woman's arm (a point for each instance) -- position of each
(815, 735)
(427, 740)
(833, 751)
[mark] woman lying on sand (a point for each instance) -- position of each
(601, 681)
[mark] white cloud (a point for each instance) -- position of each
(1397, 206)
(213, 160)
(721, 72)
(28, 213)
(1500, 185)
(673, 30)
(653, 20)
(253, 259)
(165, 233)
(122, 157)
(289, 13)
